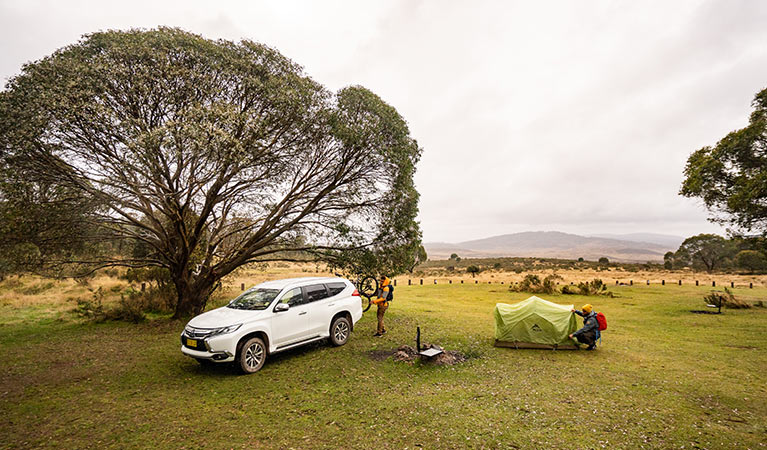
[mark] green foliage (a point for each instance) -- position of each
(453, 255)
(751, 260)
(161, 293)
(704, 251)
(92, 309)
(668, 261)
(604, 260)
(473, 270)
(43, 224)
(131, 307)
(593, 287)
(420, 257)
(533, 284)
(207, 155)
(580, 259)
(731, 177)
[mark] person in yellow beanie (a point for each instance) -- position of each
(588, 334)
(384, 295)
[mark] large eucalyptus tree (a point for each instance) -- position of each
(214, 154)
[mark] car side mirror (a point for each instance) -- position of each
(281, 307)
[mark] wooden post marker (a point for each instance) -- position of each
(421, 281)
(242, 286)
(713, 284)
(680, 282)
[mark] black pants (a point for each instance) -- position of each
(589, 338)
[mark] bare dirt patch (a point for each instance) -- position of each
(408, 354)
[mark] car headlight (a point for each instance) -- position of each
(229, 329)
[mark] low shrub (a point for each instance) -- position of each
(11, 283)
(91, 309)
(35, 288)
(130, 308)
(533, 284)
(725, 299)
(112, 272)
(593, 287)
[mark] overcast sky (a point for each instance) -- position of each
(571, 116)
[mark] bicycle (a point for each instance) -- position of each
(367, 286)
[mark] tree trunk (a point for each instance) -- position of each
(192, 296)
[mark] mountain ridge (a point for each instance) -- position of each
(556, 244)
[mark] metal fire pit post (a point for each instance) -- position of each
(425, 352)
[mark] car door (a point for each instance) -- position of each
(319, 310)
(291, 326)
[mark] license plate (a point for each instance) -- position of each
(191, 343)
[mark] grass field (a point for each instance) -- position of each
(663, 378)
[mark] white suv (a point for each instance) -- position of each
(272, 317)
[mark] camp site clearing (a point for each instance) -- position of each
(662, 378)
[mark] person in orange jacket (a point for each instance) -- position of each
(384, 295)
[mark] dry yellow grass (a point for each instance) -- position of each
(609, 276)
(57, 296)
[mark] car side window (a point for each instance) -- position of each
(335, 288)
(315, 292)
(293, 297)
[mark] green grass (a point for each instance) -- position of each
(663, 378)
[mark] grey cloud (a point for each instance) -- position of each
(571, 116)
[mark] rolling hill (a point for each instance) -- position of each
(554, 244)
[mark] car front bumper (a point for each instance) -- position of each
(218, 348)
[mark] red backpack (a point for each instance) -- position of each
(602, 321)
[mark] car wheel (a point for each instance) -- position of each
(252, 355)
(340, 330)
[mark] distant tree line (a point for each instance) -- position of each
(711, 252)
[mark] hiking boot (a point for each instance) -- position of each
(377, 334)
(383, 332)
(591, 347)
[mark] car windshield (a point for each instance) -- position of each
(254, 299)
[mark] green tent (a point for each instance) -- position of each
(534, 323)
